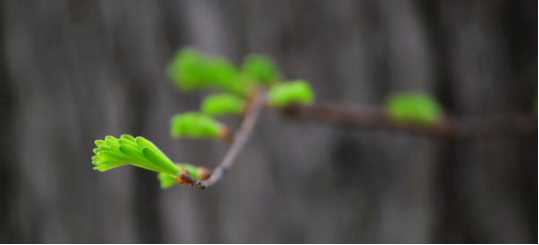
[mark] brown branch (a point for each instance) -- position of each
(370, 118)
(249, 121)
(450, 128)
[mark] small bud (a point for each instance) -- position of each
(223, 104)
(226, 135)
(291, 93)
(261, 69)
(204, 173)
(197, 125)
(414, 107)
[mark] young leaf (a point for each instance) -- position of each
(197, 125)
(223, 104)
(294, 92)
(166, 180)
(139, 152)
(419, 108)
(193, 71)
(261, 69)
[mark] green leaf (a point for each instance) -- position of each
(223, 104)
(261, 69)
(293, 92)
(196, 125)
(139, 152)
(166, 180)
(194, 71)
(414, 107)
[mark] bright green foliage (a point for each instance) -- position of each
(294, 92)
(196, 125)
(223, 104)
(139, 152)
(419, 108)
(261, 69)
(112, 153)
(166, 180)
(192, 71)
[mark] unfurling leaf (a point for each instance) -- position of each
(261, 69)
(290, 93)
(223, 104)
(414, 107)
(127, 150)
(197, 125)
(193, 71)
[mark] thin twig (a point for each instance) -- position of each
(251, 117)
(450, 128)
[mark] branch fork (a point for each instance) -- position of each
(253, 111)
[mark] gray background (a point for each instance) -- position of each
(72, 72)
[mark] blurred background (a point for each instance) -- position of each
(72, 72)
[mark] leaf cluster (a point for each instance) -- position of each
(190, 71)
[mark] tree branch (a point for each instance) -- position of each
(450, 128)
(370, 118)
(254, 109)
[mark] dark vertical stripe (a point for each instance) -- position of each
(9, 232)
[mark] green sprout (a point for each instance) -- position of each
(261, 69)
(419, 108)
(127, 150)
(193, 71)
(139, 152)
(223, 104)
(197, 125)
(293, 92)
